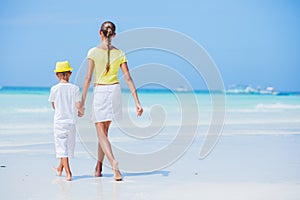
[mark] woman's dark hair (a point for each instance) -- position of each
(108, 29)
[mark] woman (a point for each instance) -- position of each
(104, 61)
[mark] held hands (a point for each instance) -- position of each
(81, 110)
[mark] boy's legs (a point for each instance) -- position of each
(64, 144)
(59, 138)
(69, 150)
(65, 164)
(59, 169)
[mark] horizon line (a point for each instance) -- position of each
(36, 88)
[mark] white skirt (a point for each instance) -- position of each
(107, 103)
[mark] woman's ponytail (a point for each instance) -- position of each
(108, 28)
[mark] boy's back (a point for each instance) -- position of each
(65, 96)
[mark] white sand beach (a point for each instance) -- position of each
(240, 167)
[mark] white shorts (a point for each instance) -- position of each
(64, 138)
(107, 103)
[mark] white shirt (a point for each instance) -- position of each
(65, 96)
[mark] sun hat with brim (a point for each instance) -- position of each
(63, 67)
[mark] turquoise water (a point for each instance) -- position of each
(27, 108)
(26, 116)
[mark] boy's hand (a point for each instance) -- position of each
(81, 110)
(80, 113)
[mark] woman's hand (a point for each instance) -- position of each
(139, 110)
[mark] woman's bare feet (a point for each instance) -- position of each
(117, 173)
(68, 177)
(98, 169)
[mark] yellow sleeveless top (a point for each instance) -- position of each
(99, 56)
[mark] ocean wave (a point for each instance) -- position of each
(27, 110)
(34, 110)
(276, 106)
(266, 108)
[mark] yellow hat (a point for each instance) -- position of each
(63, 67)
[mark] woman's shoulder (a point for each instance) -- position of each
(91, 51)
(120, 51)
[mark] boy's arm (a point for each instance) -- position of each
(51, 98)
(53, 106)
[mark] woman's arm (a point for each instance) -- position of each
(131, 86)
(87, 81)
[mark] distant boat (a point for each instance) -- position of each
(181, 89)
(269, 90)
(242, 89)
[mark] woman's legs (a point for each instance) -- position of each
(102, 131)
(98, 169)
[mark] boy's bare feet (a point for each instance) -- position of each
(117, 173)
(98, 169)
(57, 171)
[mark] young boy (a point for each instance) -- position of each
(65, 97)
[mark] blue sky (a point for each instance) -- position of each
(252, 42)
